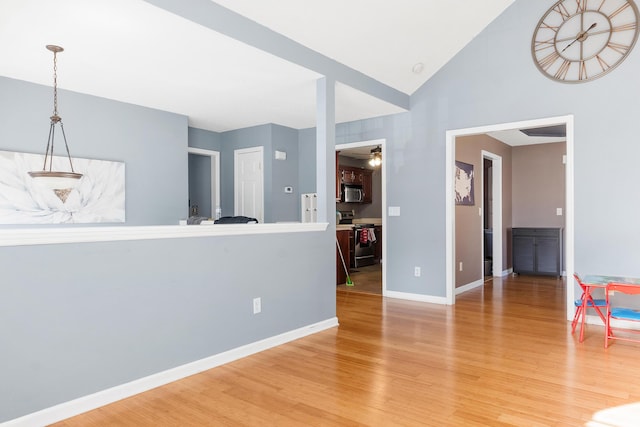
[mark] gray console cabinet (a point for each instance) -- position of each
(537, 251)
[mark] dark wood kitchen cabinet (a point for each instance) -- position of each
(537, 251)
(350, 175)
(338, 180)
(359, 176)
(367, 185)
(345, 244)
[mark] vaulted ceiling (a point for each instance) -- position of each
(175, 56)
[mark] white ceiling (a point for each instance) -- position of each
(132, 51)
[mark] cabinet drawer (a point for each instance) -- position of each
(550, 232)
(553, 232)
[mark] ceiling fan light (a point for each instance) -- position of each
(376, 156)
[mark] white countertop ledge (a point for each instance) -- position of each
(49, 236)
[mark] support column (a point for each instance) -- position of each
(326, 149)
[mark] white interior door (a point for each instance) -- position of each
(249, 182)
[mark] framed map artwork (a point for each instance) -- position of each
(463, 181)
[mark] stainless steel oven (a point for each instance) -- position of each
(365, 245)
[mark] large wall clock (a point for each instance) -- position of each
(580, 40)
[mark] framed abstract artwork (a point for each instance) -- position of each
(99, 196)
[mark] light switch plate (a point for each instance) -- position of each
(394, 210)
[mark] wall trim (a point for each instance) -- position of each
(92, 401)
(416, 297)
(593, 319)
(47, 236)
(469, 286)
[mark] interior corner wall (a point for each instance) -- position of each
(278, 205)
(284, 206)
(148, 141)
(204, 139)
(539, 185)
(493, 80)
(468, 222)
(255, 136)
(199, 186)
(307, 160)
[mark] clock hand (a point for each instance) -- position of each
(580, 37)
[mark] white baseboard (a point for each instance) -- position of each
(415, 297)
(469, 286)
(86, 403)
(594, 319)
(507, 272)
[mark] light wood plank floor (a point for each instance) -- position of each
(366, 279)
(502, 356)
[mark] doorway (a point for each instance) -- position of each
(204, 183)
(248, 183)
(362, 151)
(567, 122)
(492, 213)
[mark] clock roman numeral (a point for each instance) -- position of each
(619, 10)
(603, 64)
(620, 48)
(563, 11)
(582, 71)
(563, 70)
(549, 27)
(625, 27)
(544, 44)
(548, 60)
(581, 5)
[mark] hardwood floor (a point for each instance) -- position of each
(502, 356)
(366, 279)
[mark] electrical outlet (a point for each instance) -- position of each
(257, 305)
(417, 272)
(460, 265)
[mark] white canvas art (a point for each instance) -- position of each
(99, 196)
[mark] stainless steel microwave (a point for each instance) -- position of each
(352, 193)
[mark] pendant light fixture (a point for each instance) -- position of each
(376, 156)
(60, 182)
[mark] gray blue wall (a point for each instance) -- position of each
(307, 160)
(234, 140)
(200, 185)
(205, 139)
(278, 205)
(284, 173)
(76, 319)
(151, 143)
(94, 316)
(494, 80)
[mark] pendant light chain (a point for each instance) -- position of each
(55, 86)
